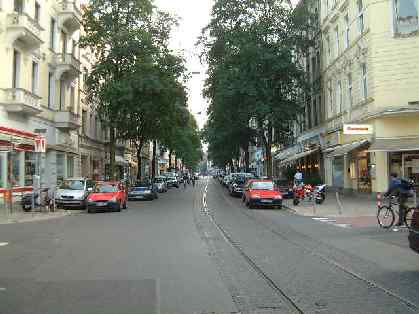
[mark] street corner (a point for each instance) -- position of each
(22, 217)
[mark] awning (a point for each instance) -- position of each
(346, 148)
(298, 156)
(394, 144)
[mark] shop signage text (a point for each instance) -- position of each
(357, 129)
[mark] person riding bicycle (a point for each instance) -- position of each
(193, 181)
(401, 189)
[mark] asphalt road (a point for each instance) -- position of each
(201, 251)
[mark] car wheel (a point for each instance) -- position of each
(90, 210)
(295, 201)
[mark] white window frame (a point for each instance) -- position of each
(330, 99)
(350, 90)
(395, 22)
(329, 50)
(361, 20)
(339, 96)
(347, 30)
(35, 78)
(364, 80)
(337, 43)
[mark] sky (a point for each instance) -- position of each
(193, 16)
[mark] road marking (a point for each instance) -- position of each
(343, 225)
(2, 289)
(4, 243)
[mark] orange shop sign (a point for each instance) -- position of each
(357, 129)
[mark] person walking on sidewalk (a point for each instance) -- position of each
(298, 178)
(401, 189)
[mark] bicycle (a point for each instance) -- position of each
(386, 214)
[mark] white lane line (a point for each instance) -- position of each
(4, 243)
(320, 218)
(343, 225)
(2, 289)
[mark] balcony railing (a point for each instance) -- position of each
(20, 100)
(22, 26)
(69, 15)
(67, 63)
(67, 120)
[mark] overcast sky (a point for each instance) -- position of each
(193, 16)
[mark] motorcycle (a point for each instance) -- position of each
(302, 192)
(38, 202)
(320, 194)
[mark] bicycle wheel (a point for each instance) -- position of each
(408, 217)
(385, 216)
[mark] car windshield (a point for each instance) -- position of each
(142, 184)
(262, 186)
(106, 188)
(77, 185)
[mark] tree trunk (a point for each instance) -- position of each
(139, 161)
(247, 159)
(170, 159)
(153, 166)
(112, 167)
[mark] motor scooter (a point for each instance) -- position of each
(301, 192)
(40, 199)
(320, 193)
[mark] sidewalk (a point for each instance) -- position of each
(354, 210)
(20, 216)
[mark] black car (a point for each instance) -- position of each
(236, 186)
(143, 190)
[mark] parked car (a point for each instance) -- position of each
(143, 190)
(285, 187)
(107, 196)
(262, 193)
(160, 183)
(237, 184)
(414, 231)
(73, 193)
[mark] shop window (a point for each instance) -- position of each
(406, 15)
(60, 168)
(30, 163)
(70, 166)
(14, 168)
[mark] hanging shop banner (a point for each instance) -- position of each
(40, 145)
(357, 129)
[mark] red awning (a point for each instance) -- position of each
(16, 132)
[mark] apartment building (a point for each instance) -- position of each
(41, 94)
(370, 87)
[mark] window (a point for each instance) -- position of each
(406, 15)
(51, 89)
(350, 100)
(329, 50)
(347, 28)
(337, 41)
(360, 16)
(339, 96)
(364, 82)
(16, 69)
(315, 112)
(14, 168)
(330, 96)
(18, 6)
(29, 168)
(52, 32)
(84, 121)
(60, 167)
(35, 71)
(37, 12)
(62, 95)
(63, 42)
(70, 166)
(72, 97)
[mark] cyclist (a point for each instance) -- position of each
(400, 188)
(185, 181)
(193, 181)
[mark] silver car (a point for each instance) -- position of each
(73, 193)
(160, 183)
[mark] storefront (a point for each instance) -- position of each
(17, 159)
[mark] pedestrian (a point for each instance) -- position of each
(401, 189)
(193, 181)
(298, 178)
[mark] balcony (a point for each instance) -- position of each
(67, 66)
(20, 100)
(69, 16)
(66, 120)
(20, 26)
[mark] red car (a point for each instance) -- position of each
(414, 231)
(262, 193)
(107, 196)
